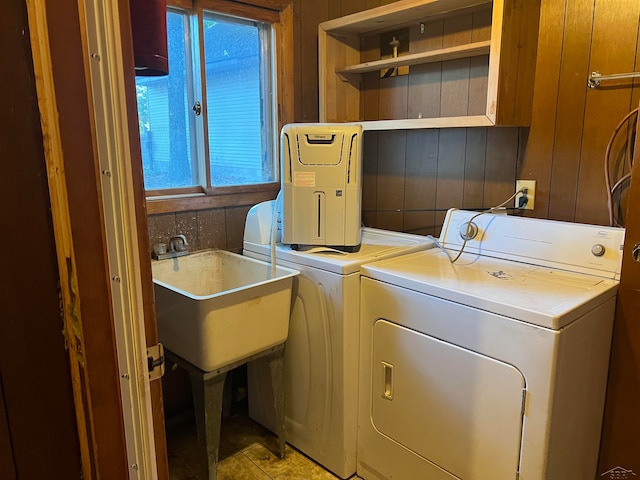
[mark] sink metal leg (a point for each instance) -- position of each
(208, 393)
(276, 369)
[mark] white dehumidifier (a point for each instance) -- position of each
(322, 185)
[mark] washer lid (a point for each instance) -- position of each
(543, 296)
(376, 245)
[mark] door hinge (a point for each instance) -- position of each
(155, 361)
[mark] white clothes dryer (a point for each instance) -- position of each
(493, 367)
(321, 351)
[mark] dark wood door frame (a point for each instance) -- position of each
(61, 59)
(620, 446)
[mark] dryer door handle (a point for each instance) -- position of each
(387, 380)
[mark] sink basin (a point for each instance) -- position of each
(215, 308)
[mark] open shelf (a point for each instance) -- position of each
(470, 62)
(439, 55)
(400, 14)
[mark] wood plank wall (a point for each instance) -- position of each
(477, 167)
(430, 171)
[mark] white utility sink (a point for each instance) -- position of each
(215, 308)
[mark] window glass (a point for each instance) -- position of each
(165, 117)
(239, 110)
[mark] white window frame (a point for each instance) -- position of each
(178, 199)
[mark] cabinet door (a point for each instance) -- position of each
(456, 408)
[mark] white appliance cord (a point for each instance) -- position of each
(274, 229)
(467, 233)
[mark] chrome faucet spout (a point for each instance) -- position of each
(178, 243)
(178, 246)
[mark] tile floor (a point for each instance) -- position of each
(245, 453)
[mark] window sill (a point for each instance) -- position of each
(181, 203)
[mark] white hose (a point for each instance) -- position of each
(274, 229)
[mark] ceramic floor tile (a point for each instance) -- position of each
(294, 466)
(239, 432)
(247, 452)
(178, 470)
(239, 467)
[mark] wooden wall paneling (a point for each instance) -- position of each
(478, 82)
(481, 25)
(619, 161)
(212, 228)
(343, 97)
(615, 32)
(393, 97)
(352, 6)
(450, 184)
(570, 110)
(311, 14)
(516, 64)
(161, 228)
(334, 8)
(523, 142)
(372, 4)
(635, 92)
(369, 93)
(474, 168)
(500, 165)
(537, 162)
(235, 218)
(424, 92)
(286, 56)
(479, 66)
(635, 100)
(298, 55)
(370, 178)
(455, 73)
(391, 178)
(420, 182)
(187, 225)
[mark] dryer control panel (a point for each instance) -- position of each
(591, 249)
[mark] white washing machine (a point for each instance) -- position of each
(494, 367)
(321, 352)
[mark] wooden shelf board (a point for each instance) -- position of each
(462, 51)
(397, 14)
(437, 122)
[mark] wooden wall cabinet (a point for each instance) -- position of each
(471, 63)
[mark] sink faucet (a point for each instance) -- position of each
(178, 243)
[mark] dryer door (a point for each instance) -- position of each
(456, 408)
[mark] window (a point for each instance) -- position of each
(210, 126)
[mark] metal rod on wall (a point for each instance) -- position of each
(596, 77)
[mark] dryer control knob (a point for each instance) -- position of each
(468, 231)
(598, 250)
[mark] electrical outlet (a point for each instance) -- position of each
(530, 185)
